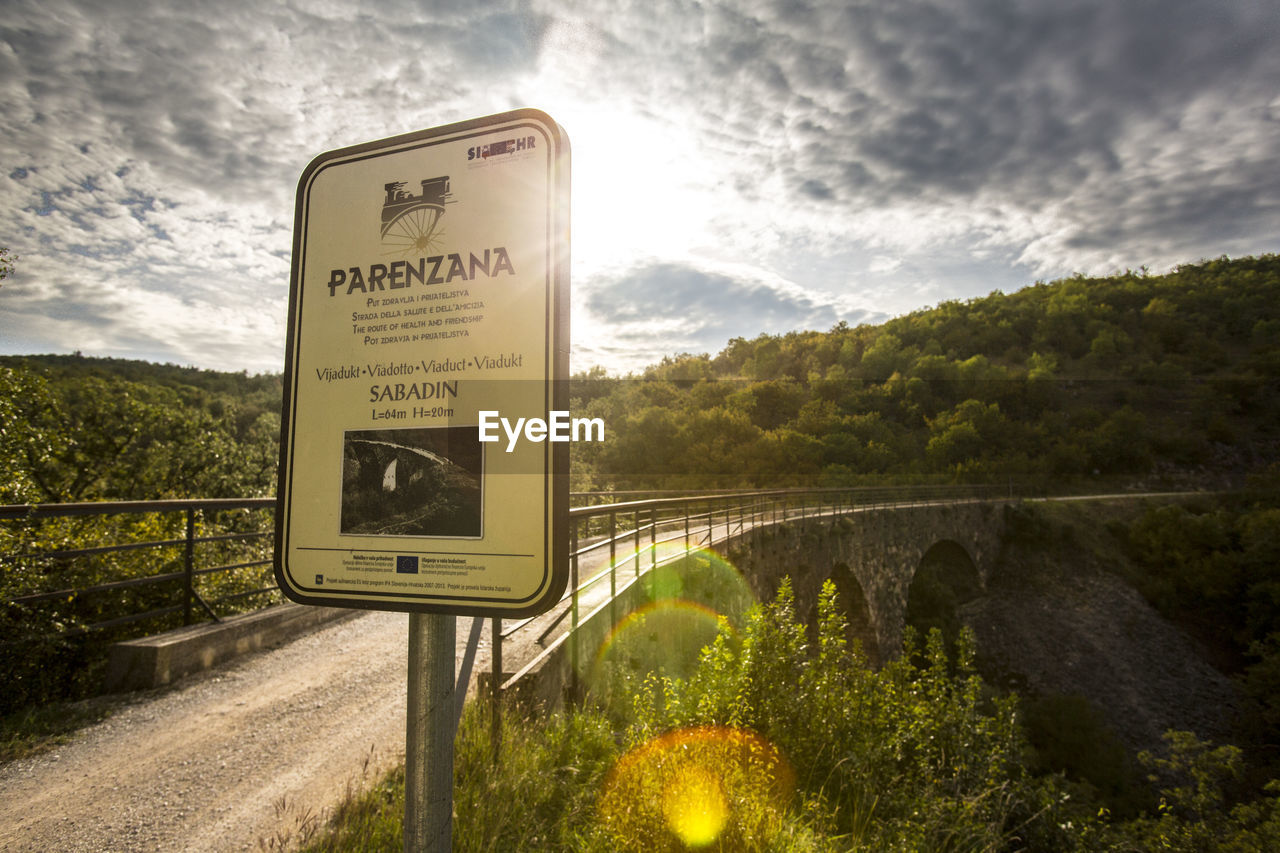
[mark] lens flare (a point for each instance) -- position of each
(697, 786)
(705, 578)
(681, 606)
(695, 807)
(683, 602)
(665, 636)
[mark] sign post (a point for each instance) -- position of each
(429, 733)
(429, 302)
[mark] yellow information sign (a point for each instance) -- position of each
(428, 307)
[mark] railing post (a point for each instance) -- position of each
(613, 568)
(755, 521)
(189, 567)
(635, 535)
(573, 616)
(495, 735)
(653, 537)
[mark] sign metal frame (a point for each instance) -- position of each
(308, 418)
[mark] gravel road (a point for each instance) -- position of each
(226, 760)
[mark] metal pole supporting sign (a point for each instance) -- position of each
(429, 733)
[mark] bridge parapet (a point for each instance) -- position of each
(871, 553)
(869, 541)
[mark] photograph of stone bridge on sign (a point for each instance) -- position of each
(413, 482)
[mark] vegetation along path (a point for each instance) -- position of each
(235, 759)
(241, 758)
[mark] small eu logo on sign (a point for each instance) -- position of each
(407, 565)
(319, 580)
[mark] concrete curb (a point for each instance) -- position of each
(163, 658)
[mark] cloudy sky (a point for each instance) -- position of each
(739, 167)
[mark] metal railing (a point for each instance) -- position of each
(640, 535)
(27, 527)
(639, 528)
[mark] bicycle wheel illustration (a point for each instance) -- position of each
(411, 223)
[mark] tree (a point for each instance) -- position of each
(7, 259)
(23, 443)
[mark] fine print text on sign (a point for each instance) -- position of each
(429, 291)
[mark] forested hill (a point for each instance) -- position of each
(194, 383)
(1130, 379)
(75, 428)
(1133, 378)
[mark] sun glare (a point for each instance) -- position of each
(636, 189)
(695, 806)
(703, 785)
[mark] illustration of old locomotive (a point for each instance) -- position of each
(412, 222)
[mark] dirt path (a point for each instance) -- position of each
(228, 760)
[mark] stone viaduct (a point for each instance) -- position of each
(872, 555)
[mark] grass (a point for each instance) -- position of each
(370, 820)
(540, 796)
(762, 747)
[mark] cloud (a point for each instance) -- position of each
(813, 159)
(153, 151)
(1074, 119)
(662, 308)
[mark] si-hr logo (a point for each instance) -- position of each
(496, 149)
(411, 223)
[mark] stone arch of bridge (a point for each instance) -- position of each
(882, 550)
(945, 579)
(927, 579)
(852, 601)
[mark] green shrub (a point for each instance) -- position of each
(907, 758)
(775, 742)
(1070, 737)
